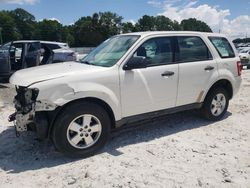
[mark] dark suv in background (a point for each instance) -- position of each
(18, 55)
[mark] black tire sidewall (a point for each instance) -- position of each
(59, 133)
(206, 110)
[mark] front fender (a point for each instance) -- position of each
(65, 93)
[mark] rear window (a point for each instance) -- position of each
(192, 48)
(223, 47)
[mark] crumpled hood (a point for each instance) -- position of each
(27, 77)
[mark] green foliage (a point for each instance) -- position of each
(9, 29)
(88, 30)
(49, 30)
(192, 24)
(91, 31)
(25, 23)
(158, 23)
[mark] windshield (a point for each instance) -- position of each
(110, 51)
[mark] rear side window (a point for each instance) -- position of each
(222, 46)
(191, 48)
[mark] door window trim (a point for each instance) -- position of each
(174, 45)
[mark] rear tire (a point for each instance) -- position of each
(81, 129)
(215, 104)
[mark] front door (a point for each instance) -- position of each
(32, 57)
(5, 67)
(155, 87)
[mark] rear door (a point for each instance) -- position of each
(197, 69)
(32, 58)
(5, 67)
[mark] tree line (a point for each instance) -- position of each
(89, 31)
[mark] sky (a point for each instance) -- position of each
(231, 17)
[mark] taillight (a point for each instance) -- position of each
(239, 68)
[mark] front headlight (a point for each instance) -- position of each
(25, 98)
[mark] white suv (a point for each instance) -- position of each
(127, 78)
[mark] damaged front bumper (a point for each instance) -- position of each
(28, 114)
(24, 103)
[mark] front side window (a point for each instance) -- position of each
(110, 51)
(157, 51)
(191, 48)
(223, 47)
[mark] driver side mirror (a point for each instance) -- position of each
(136, 63)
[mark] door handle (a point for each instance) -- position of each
(208, 68)
(167, 73)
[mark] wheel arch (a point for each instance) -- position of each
(224, 83)
(94, 100)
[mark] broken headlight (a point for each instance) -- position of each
(25, 99)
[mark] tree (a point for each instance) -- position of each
(158, 23)
(88, 30)
(85, 32)
(146, 23)
(92, 30)
(109, 24)
(25, 23)
(67, 35)
(9, 31)
(192, 24)
(49, 30)
(128, 27)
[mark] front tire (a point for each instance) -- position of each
(81, 129)
(215, 104)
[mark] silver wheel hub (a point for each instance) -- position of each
(218, 104)
(84, 131)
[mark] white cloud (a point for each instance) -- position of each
(155, 3)
(238, 27)
(54, 19)
(20, 2)
(132, 21)
(190, 4)
(214, 16)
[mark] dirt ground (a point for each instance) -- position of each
(180, 150)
